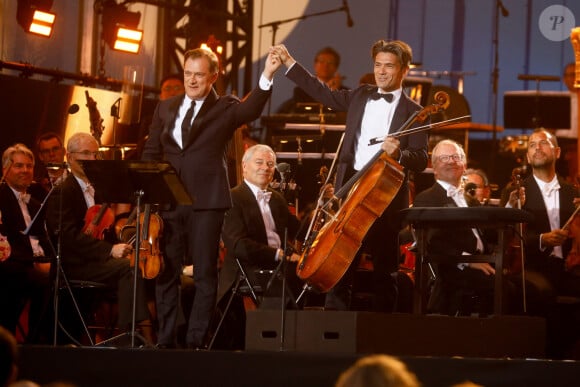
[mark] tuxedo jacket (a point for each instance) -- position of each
(77, 248)
(534, 204)
(13, 224)
(414, 147)
(244, 234)
(201, 164)
(449, 241)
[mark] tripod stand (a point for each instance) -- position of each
(150, 183)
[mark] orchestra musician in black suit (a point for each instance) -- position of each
(196, 150)
(258, 243)
(373, 111)
(551, 201)
(83, 256)
(24, 273)
(457, 286)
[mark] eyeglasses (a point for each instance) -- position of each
(87, 153)
(445, 158)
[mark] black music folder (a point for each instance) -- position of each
(120, 180)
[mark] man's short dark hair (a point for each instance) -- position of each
(330, 51)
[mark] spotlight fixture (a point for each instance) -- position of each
(34, 16)
(120, 27)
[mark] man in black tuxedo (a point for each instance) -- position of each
(372, 112)
(83, 256)
(252, 232)
(192, 131)
(551, 201)
(24, 273)
(448, 160)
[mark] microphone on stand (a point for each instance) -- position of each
(504, 11)
(72, 109)
(349, 21)
(470, 189)
(283, 169)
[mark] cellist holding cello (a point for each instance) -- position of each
(372, 112)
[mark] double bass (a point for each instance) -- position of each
(326, 259)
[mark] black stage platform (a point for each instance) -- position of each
(92, 367)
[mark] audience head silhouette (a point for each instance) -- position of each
(378, 371)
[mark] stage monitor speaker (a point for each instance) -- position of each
(397, 334)
(529, 109)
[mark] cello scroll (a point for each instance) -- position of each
(442, 101)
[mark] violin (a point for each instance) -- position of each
(98, 219)
(370, 191)
(150, 256)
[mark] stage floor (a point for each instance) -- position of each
(93, 366)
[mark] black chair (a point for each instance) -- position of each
(242, 287)
(80, 301)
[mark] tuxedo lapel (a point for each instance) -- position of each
(172, 110)
(252, 209)
(197, 124)
(400, 113)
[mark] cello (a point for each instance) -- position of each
(325, 261)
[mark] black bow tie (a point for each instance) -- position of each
(387, 97)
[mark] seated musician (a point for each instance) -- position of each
(477, 185)
(551, 201)
(254, 229)
(455, 280)
(23, 264)
(326, 63)
(85, 257)
(50, 151)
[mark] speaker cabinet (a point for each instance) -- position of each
(397, 334)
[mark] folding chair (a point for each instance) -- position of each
(242, 287)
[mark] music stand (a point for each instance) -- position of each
(145, 182)
(529, 109)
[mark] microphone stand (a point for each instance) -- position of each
(59, 271)
(276, 24)
(281, 268)
(495, 76)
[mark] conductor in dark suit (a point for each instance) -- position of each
(192, 131)
(254, 227)
(372, 112)
(85, 257)
(24, 272)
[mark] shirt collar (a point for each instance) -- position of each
(254, 188)
(81, 182)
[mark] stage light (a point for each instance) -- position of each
(120, 27)
(34, 16)
(128, 40)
